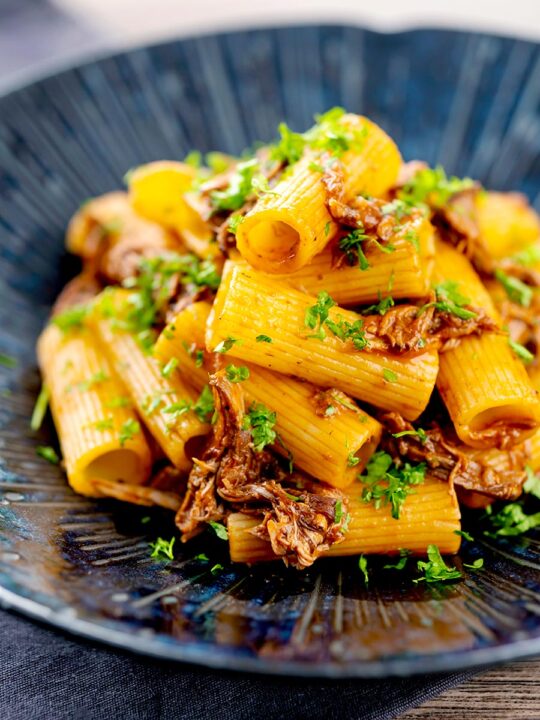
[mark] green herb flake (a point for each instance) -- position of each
(118, 402)
(401, 563)
(389, 375)
(352, 460)
(435, 569)
(48, 453)
(104, 425)
(290, 147)
(40, 408)
(168, 369)
(261, 421)
(71, 319)
(363, 566)
(476, 565)
(177, 409)
(236, 373)
(419, 433)
(521, 351)
(532, 483)
(234, 223)
(238, 189)
(464, 534)
(516, 289)
(386, 484)
(432, 187)
(202, 557)
(512, 520)
(194, 159)
(263, 338)
(338, 511)
(527, 257)
(128, 430)
(163, 549)
(220, 530)
(216, 568)
(204, 407)
(225, 345)
(327, 229)
(7, 361)
(351, 246)
(95, 379)
(450, 300)
(316, 315)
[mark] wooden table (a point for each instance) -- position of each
(507, 692)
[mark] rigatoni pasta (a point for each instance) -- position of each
(313, 350)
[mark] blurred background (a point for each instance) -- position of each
(37, 36)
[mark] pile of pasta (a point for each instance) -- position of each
(315, 349)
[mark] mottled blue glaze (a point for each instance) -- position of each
(468, 101)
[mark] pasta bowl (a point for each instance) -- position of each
(466, 101)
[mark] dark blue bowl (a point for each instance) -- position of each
(467, 101)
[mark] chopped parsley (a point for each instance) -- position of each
(48, 453)
(419, 433)
(40, 408)
(532, 483)
(521, 351)
(476, 565)
(290, 147)
(71, 319)
(238, 189)
(225, 345)
(401, 563)
(464, 534)
(431, 186)
(202, 556)
(204, 407)
(216, 568)
(234, 223)
(450, 300)
(380, 308)
(352, 460)
(263, 338)
(168, 369)
(529, 256)
(178, 409)
(327, 228)
(317, 316)
(95, 379)
(435, 569)
(237, 373)
(220, 530)
(261, 421)
(331, 135)
(363, 566)
(338, 511)
(351, 246)
(386, 484)
(389, 375)
(163, 549)
(194, 159)
(345, 330)
(7, 361)
(516, 290)
(412, 237)
(128, 430)
(512, 520)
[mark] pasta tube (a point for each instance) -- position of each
(111, 217)
(163, 399)
(506, 222)
(249, 304)
(484, 386)
(291, 224)
(404, 273)
(99, 434)
(158, 191)
(429, 517)
(330, 440)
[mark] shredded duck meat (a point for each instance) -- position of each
(409, 329)
(298, 517)
(494, 473)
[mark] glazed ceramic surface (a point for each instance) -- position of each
(467, 101)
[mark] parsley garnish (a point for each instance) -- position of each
(239, 188)
(48, 453)
(521, 351)
(529, 256)
(95, 379)
(464, 534)
(317, 314)
(7, 361)
(476, 565)
(331, 135)
(216, 568)
(516, 290)
(194, 159)
(290, 147)
(105, 424)
(263, 338)
(220, 530)
(234, 223)
(351, 245)
(345, 330)
(435, 569)
(432, 187)
(202, 556)
(168, 369)
(178, 409)
(385, 483)
(450, 300)
(419, 433)
(128, 430)
(352, 460)
(118, 402)
(338, 511)
(40, 408)
(225, 345)
(163, 549)
(382, 307)
(237, 373)
(401, 563)
(512, 520)
(71, 319)
(362, 564)
(316, 317)
(389, 375)
(261, 421)
(204, 407)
